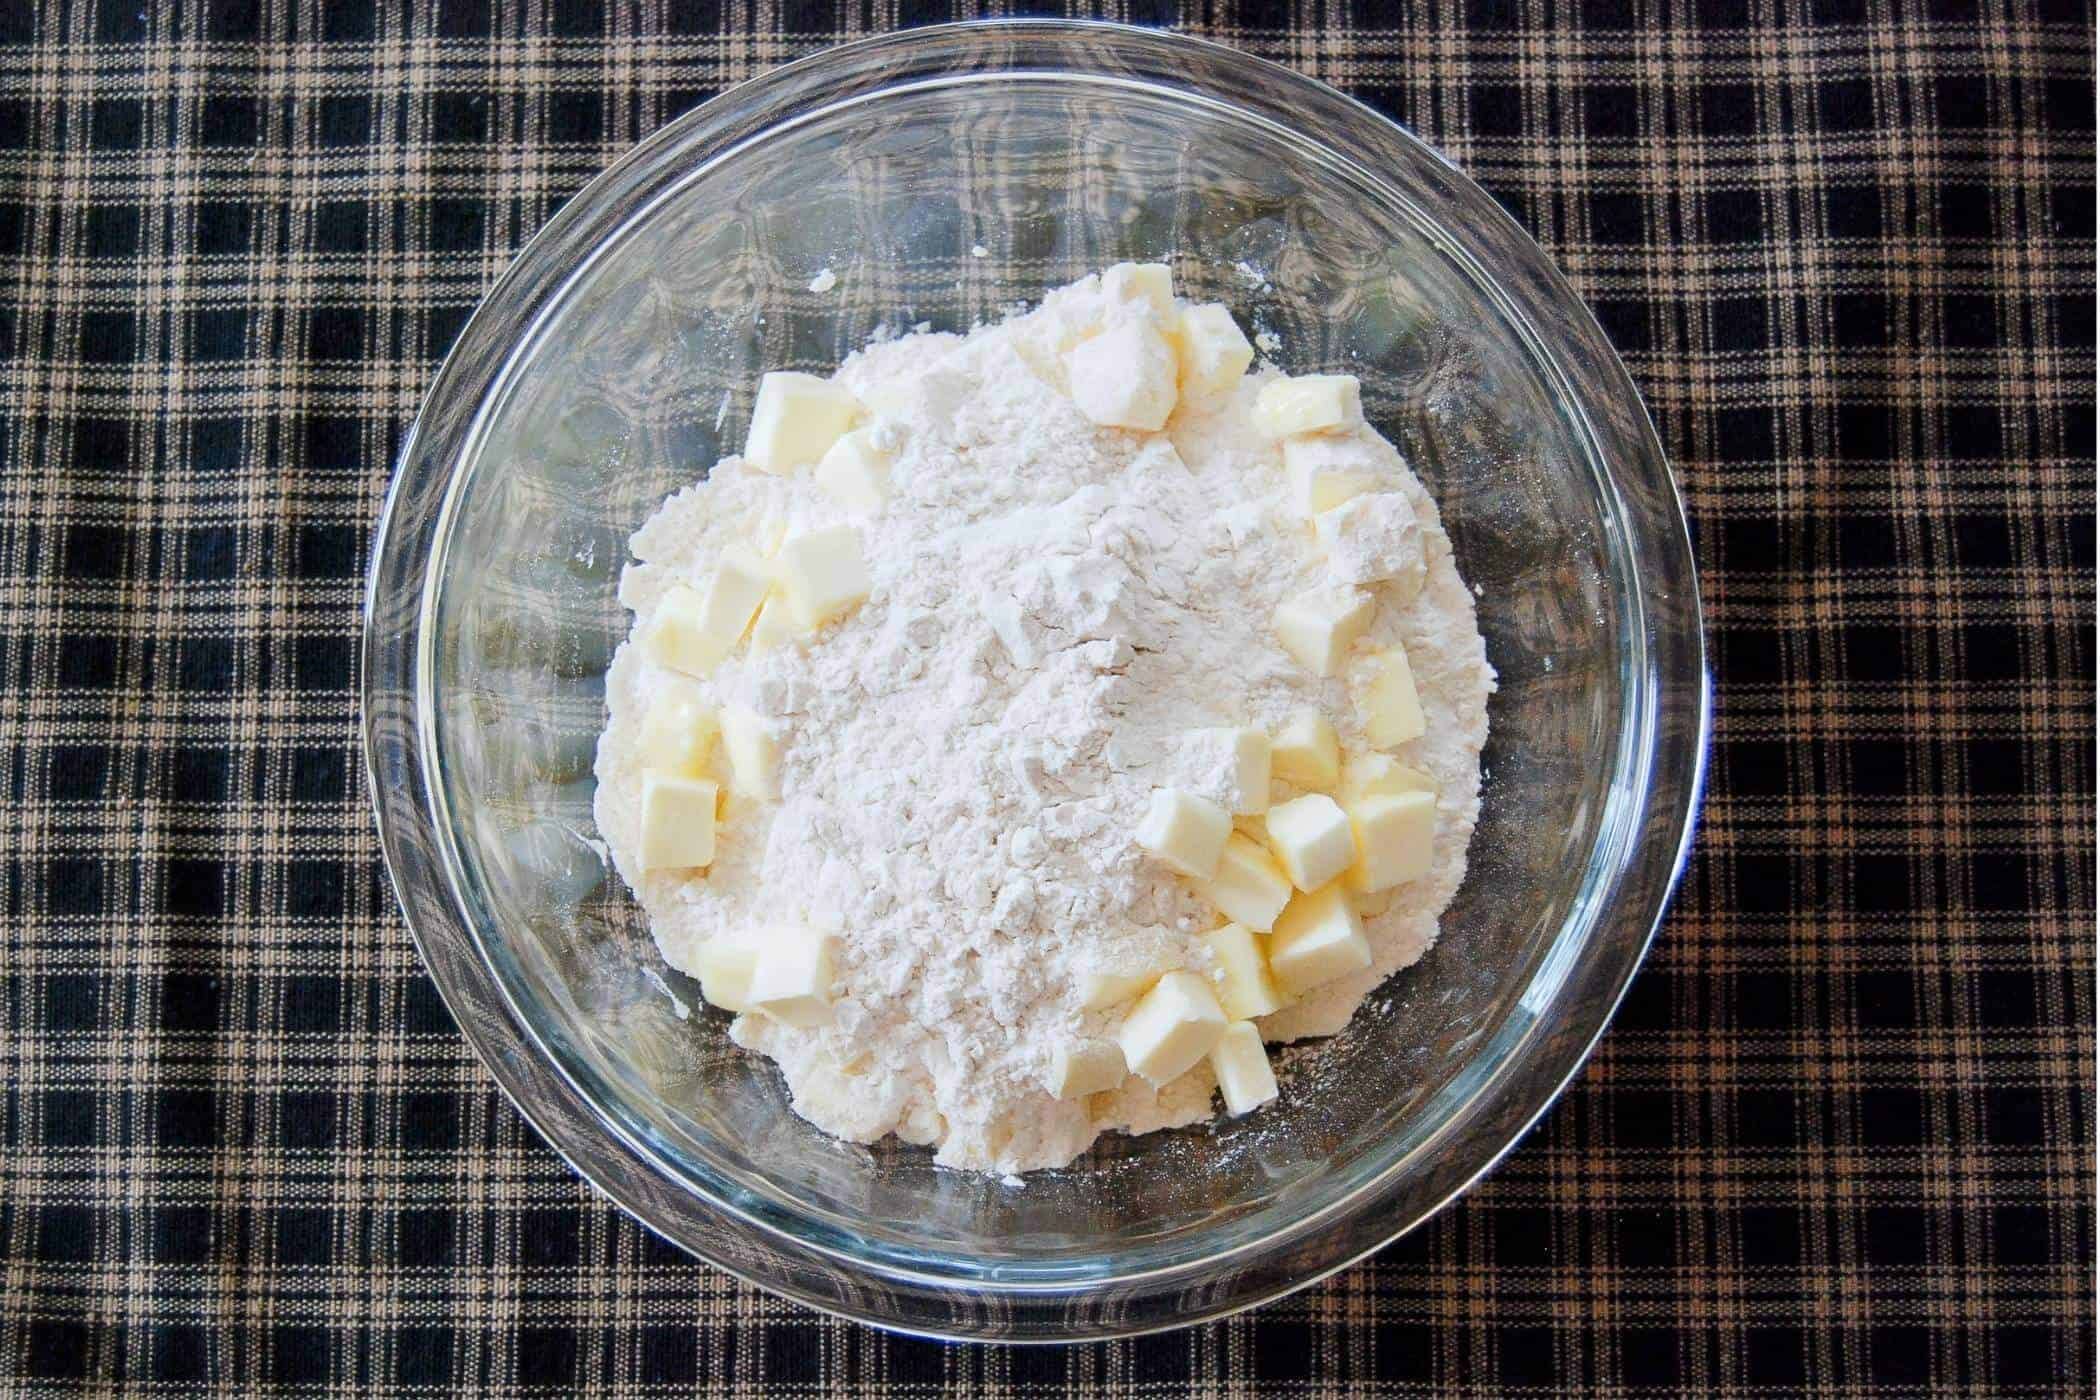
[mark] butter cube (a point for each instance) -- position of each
(1172, 1026)
(754, 755)
(1386, 699)
(1151, 283)
(1100, 990)
(1185, 832)
(677, 639)
(1325, 472)
(857, 472)
(796, 420)
(678, 821)
(823, 574)
(725, 969)
(693, 631)
(1311, 838)
(1214, 351)
(1241, 1062)
(1305, 751)
(1382, 775)
(1317, 628)
(1124, 377)
(1373, 538)
(1395, 838)
(1318, 939)
(1249, 886)
(1086, 1069)
(1245, 989)
(1311, 403)
(678, 731)
(792, 979)
(775, 624)
(1233, 764)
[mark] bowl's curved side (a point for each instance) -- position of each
(1650, 810)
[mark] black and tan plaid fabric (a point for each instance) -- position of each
(1840, 1138)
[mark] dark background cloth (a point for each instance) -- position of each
(1840, 1138)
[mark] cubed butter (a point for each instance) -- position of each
(791, 981)
(796, 420)
(678, 732)
(1386, 699)
(856, 471)
(1172, 1027)
(1236, 766)
(1150, 283)
(1185, 832)
(677, 637)
(1380, 775)
(1100, 990)
(1395, 837)
(775, 624)
(1318, 939)
(1250, 887)
(1306, 752)
(1124, 377)
(694, 631)
(1245, 989)
(1318, 628)
(754, 755)
(1373, 538)
(1324, 472)
(823, 574)
(1090, 1068)
(725, 969)
(1214, 351)
(1310, 403)
(678, 821)
(1241, 1062)
(1311, 839)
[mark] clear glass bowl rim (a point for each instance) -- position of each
(400, 598)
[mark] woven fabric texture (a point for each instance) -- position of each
(1840, 1137)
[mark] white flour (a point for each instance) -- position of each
(1055, 607)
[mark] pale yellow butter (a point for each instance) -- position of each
(1324, 472)
(1395, 839)
(1244, 986)
(1319, 938)
(1150, 283)
(1185, 832)
(1172, 1027)
(1241, 1062)
(796, 420)
(791, 981)
(754, 755)
(1386, 699)
(1310, 403)
(1311, 839)
(1380, 774)
(1086, 1069)
(823, 574)
(1319, 627)
(1213, 350)
(1306, 751)
(678, 821)
(856, 471)
(678, 732)
(1249, 886)
(724, 968)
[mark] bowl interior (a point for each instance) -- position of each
(943, 202)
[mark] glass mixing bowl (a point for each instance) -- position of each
(941, 175)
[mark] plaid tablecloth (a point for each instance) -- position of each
(1841, 1136)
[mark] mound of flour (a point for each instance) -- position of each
(1055, 606)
